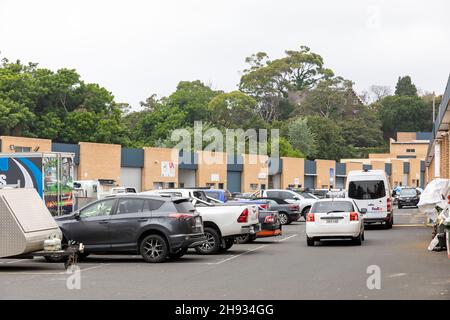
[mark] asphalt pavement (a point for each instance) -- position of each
(272, 268)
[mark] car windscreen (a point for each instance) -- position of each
(213, 194)
(307, 195)
(408, 193)
(327, 206)
(366, 190)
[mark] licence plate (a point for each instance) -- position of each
(332, 220)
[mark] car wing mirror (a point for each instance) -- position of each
(363, 210)
(77, 215)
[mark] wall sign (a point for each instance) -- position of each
(167, 169)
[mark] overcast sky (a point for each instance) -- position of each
(137, 48)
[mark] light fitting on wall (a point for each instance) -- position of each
(12, 147)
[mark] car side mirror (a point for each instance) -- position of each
(363, 210)
(77, 215)
(296, 198)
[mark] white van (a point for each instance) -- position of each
(371, 190)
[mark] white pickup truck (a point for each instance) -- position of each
(222, 222)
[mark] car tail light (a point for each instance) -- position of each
(264, 206)
(388, 204)
(448, 198)
(268, 219)
(181, 216)
(293, 207)
(243, 217)
(310, 217)
(354, 216)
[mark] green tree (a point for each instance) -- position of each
(329, 138)
(15, 118)
(403, 113)
(328, 99)
(405, 87)
(234, 110)
(302, 138)
(192, 97)
(269, 82)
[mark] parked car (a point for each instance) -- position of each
(370, 189)
(408, 197)
(290, 196)
(288, 212)
(395, 194)
(320, 193)
(222, 221)
(270, 227)
(335, 193)
(155, 227)
(335, 219)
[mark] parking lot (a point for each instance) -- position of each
(273, 268)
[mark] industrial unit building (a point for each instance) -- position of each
(437, 157)
(153, 168)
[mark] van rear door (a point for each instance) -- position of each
(370, 194)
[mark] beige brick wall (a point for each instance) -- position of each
(212, 169)
(323, 173)
(397, 172)
(351, 166)
(414, 173)
(293, 169)
(378, 165)
(444, 160)
(406, 136)
(399, 149)
(255, 171)
(99, 161)
(44, 145)
(152, 171)
(379, 155)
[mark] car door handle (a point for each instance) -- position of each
(142, 219)
(103, 222)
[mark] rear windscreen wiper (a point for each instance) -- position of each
(335, 211)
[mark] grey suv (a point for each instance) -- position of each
(156, 227)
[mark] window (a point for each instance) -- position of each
(100, 208)
(184, 206)
(327, 206)
(130, 206)
(273, 194)
(410, 150)
(286, 195)
(408, 192)
(366, 190)
(22, 149)
(211, 185)
(253, 186)
(220, 185)
(214, 194)
(152, 205)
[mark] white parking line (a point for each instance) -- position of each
(238, 255)
(294, 235)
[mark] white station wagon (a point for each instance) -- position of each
(335, 219)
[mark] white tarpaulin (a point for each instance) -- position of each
(435, 194)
